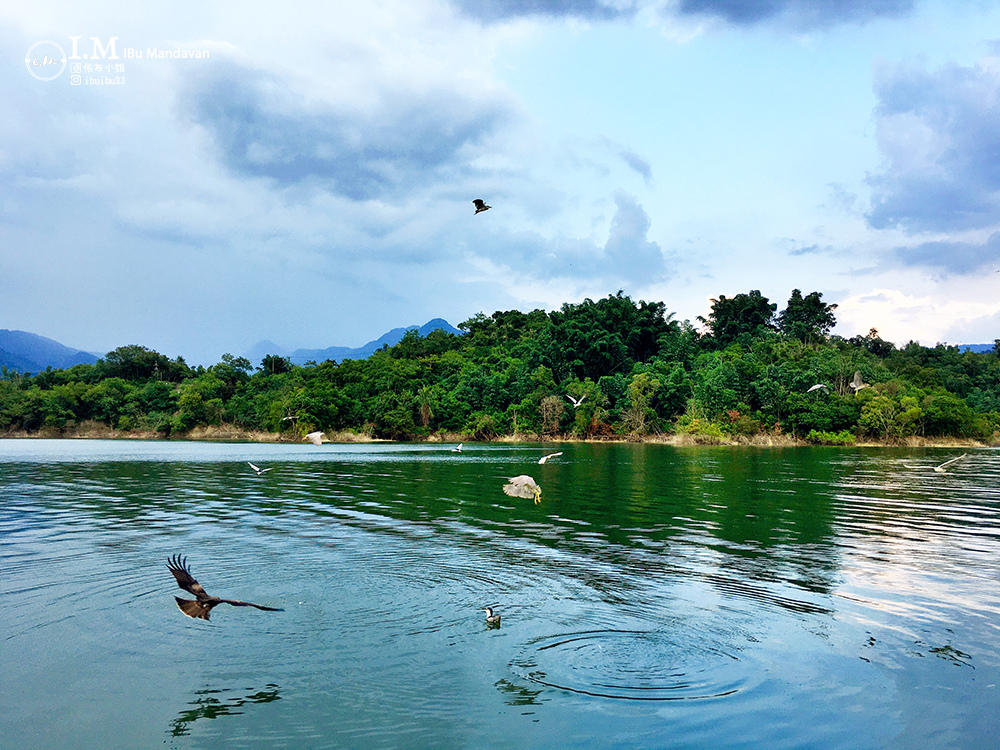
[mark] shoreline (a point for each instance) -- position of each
(95, 431)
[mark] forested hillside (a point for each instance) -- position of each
(611, 368)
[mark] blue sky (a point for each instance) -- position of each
(310, 181)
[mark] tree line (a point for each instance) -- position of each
(604, 369)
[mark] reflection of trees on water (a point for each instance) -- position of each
(517, 695)
(212, 703)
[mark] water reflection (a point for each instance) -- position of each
(211, 703)
(652, 587)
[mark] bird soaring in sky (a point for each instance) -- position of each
(480, 205)
(523, 486)
(543, 459)
(201, 607)
(258, 469)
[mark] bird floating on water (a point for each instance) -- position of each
(480, 205)
(316, 438)
(543, 459)
(491, 619)
(523, 486)
(940, 469)
(201, 608)
(576, 401)
(458, 449)
(258, 469)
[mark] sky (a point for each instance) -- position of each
(198, 177)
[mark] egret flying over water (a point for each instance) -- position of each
(315, 437)
(201, 607)
(480, 205)
(523, 486)
(458, 449)
(491, 619)
(940, 469)
(258, 469)
(543, 459)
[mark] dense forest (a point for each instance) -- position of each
(607, 369)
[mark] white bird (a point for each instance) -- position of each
(458, 449)
(258, 469)
(940, 469)
(576, 401)
(316, 438)
(857, 384)
(523, 486)
(819, 387)
(491, 619)
(480, 205)
(543, 459)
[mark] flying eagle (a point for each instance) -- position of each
(201, 607)
(480, 205)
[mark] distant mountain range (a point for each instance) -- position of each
(338, 353)
(28, 352)
(21, 351)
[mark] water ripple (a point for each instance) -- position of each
(635, 665)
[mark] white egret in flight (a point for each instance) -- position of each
(523, 486)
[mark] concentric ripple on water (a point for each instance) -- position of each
(633, 665)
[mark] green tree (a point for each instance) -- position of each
(808, 318)
(272, 364)
(740, 318)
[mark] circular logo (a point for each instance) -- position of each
(45, 60)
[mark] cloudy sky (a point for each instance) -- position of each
(308, 178)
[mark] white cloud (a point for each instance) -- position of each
(900, 316)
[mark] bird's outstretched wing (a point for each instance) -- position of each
(949, 462)
(258, 469)
(237, 603)
(543, 459)
(178, 566)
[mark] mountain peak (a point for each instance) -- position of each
(338, 353)
(28, 352)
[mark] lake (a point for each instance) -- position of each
(655, 597)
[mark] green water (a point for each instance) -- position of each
(656, 597)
